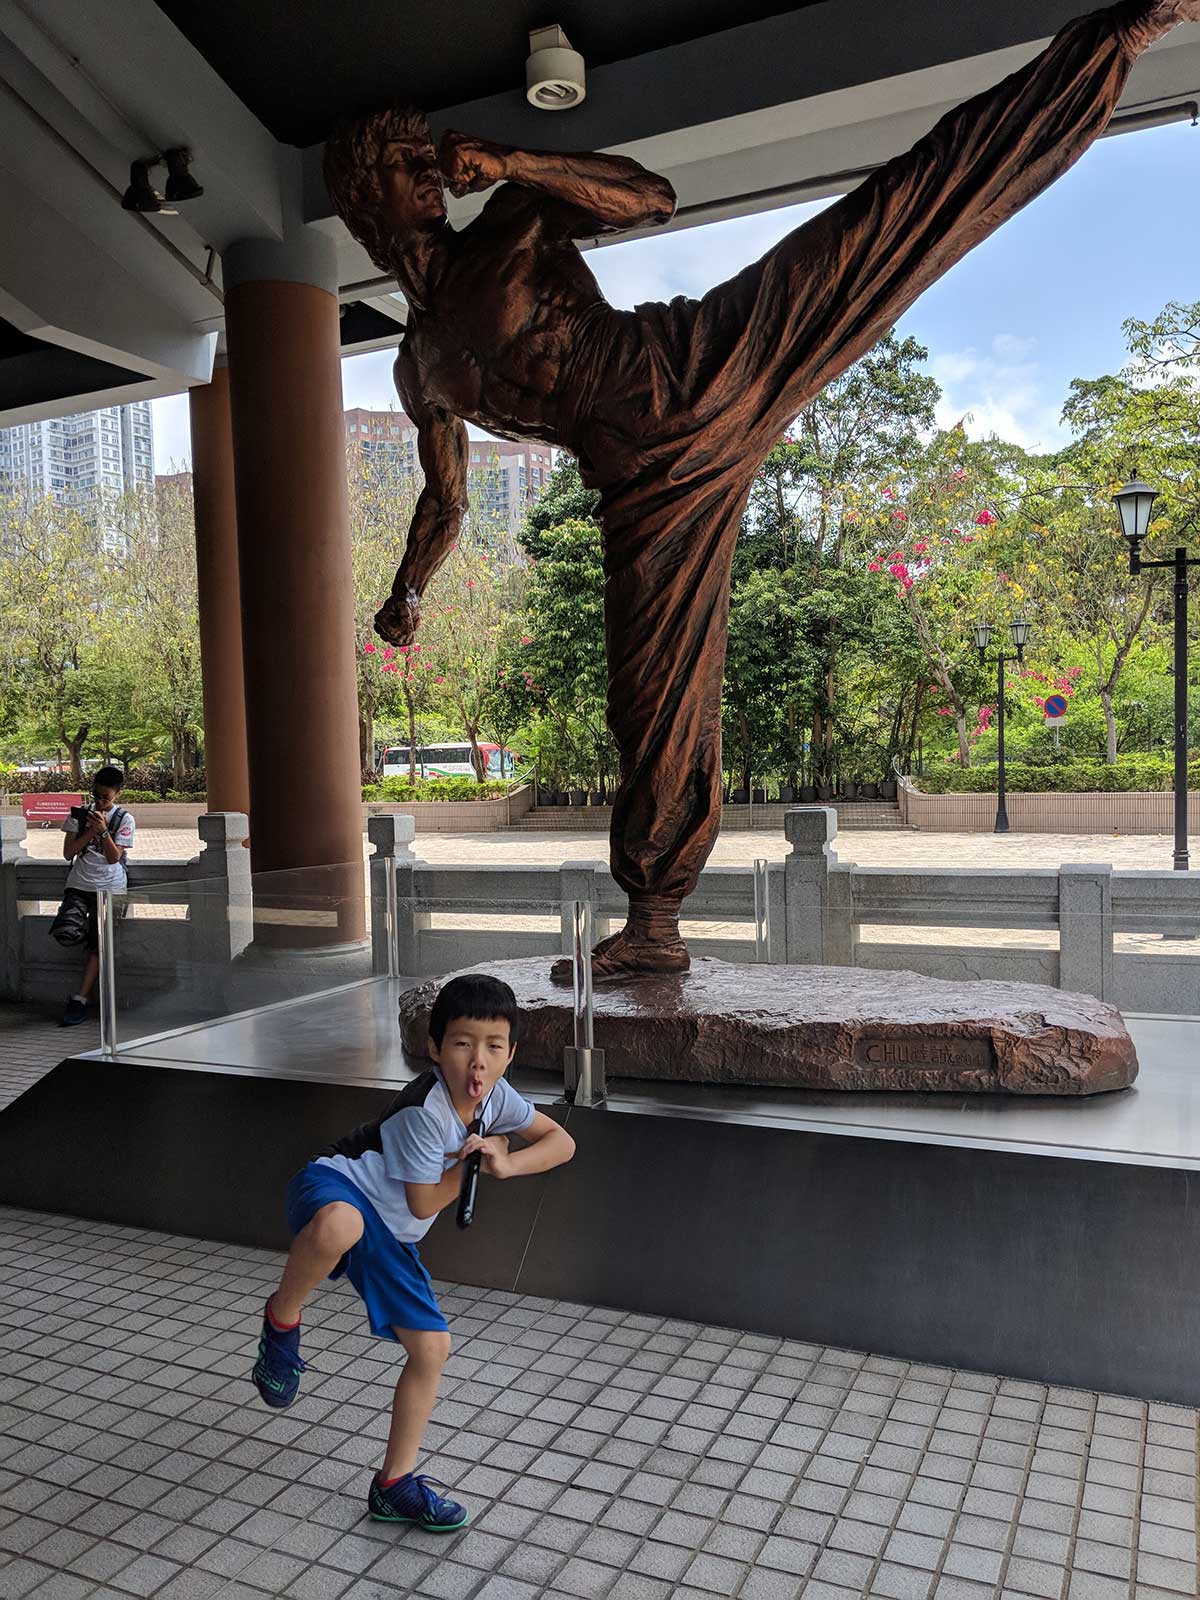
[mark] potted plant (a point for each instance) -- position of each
(825, 792)
(868, 791)
(760, 797)
(787, 794)
(578, 797)
(807, 793)
(888, 789)
(848, 789)
(740, 797)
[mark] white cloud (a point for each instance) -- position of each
(1002, 392)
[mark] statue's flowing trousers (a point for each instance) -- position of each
(675, 407)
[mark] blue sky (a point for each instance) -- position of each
(1037, 304)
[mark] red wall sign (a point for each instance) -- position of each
(48, 808)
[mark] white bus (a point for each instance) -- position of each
(446, 761)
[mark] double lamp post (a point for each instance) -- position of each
(1019, 633)
(1135, 503)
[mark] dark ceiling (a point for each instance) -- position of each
(32, 371)
(299, 66)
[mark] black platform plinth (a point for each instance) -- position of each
(1073, 1269)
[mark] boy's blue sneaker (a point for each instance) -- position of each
(411, 1499)
(276, 1373)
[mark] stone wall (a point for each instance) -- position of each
(1134, 813)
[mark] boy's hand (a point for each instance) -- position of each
(495, 1153)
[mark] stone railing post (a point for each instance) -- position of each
(576, 881)
(392, 834)
(12, 851)
(1085, 929)
(220, 895)
(819, 915)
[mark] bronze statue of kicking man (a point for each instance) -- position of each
(670, 409)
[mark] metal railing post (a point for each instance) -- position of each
(392, 914)
(108, 974)
(583, 1065)
(762, 912)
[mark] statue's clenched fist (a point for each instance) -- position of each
(469, 165)
(398, 618)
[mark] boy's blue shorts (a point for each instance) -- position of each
(389, 1275)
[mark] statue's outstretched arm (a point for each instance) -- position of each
(858, 265)
(612, 192)
(442, 449)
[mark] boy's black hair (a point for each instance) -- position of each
(477, 997)
(110, 777)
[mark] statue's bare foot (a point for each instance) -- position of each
(626, 955)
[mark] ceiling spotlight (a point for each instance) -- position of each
(180, 184)
(141, 194)
(554, 73)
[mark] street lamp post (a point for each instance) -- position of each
(1019, 633)
(1135, 503)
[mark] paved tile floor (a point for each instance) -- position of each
(602, 1454)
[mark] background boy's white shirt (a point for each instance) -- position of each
(91, 870)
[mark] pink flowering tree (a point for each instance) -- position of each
(937, 541)
(381, 506)
(471, 611)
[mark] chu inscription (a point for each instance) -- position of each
(930, 1054)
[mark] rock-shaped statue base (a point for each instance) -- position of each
(821, 1028)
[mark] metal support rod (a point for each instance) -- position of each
(392, 914)
(581, 975)
(1181, 710)
(108, 974)
(583, 1065)
(762, 913)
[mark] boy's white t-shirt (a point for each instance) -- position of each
(91, 868)
(416, 1139)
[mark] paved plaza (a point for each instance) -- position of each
(602, 1454)
(886, 848)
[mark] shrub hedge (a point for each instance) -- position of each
(399, 789)
(1130, 775)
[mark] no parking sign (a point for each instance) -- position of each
(1055, 709)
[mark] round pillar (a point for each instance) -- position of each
(219, 592)
(293, 522)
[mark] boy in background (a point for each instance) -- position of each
(361, 1207)
(96, 845)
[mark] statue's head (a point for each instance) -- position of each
(382, 175)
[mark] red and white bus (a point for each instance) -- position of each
(446, 761)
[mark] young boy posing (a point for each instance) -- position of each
(96, 846)
(361, 1206)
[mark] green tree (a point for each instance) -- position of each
(56, 627)
(560, 660)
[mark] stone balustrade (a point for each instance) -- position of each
(194, 920)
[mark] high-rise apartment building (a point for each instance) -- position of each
(504, 478)
(74, 459)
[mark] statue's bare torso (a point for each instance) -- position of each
(501, 319)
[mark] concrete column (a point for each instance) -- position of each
(811, 831)
(289, 458)
(219, 594)
(12, 852)
(1085, 929)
